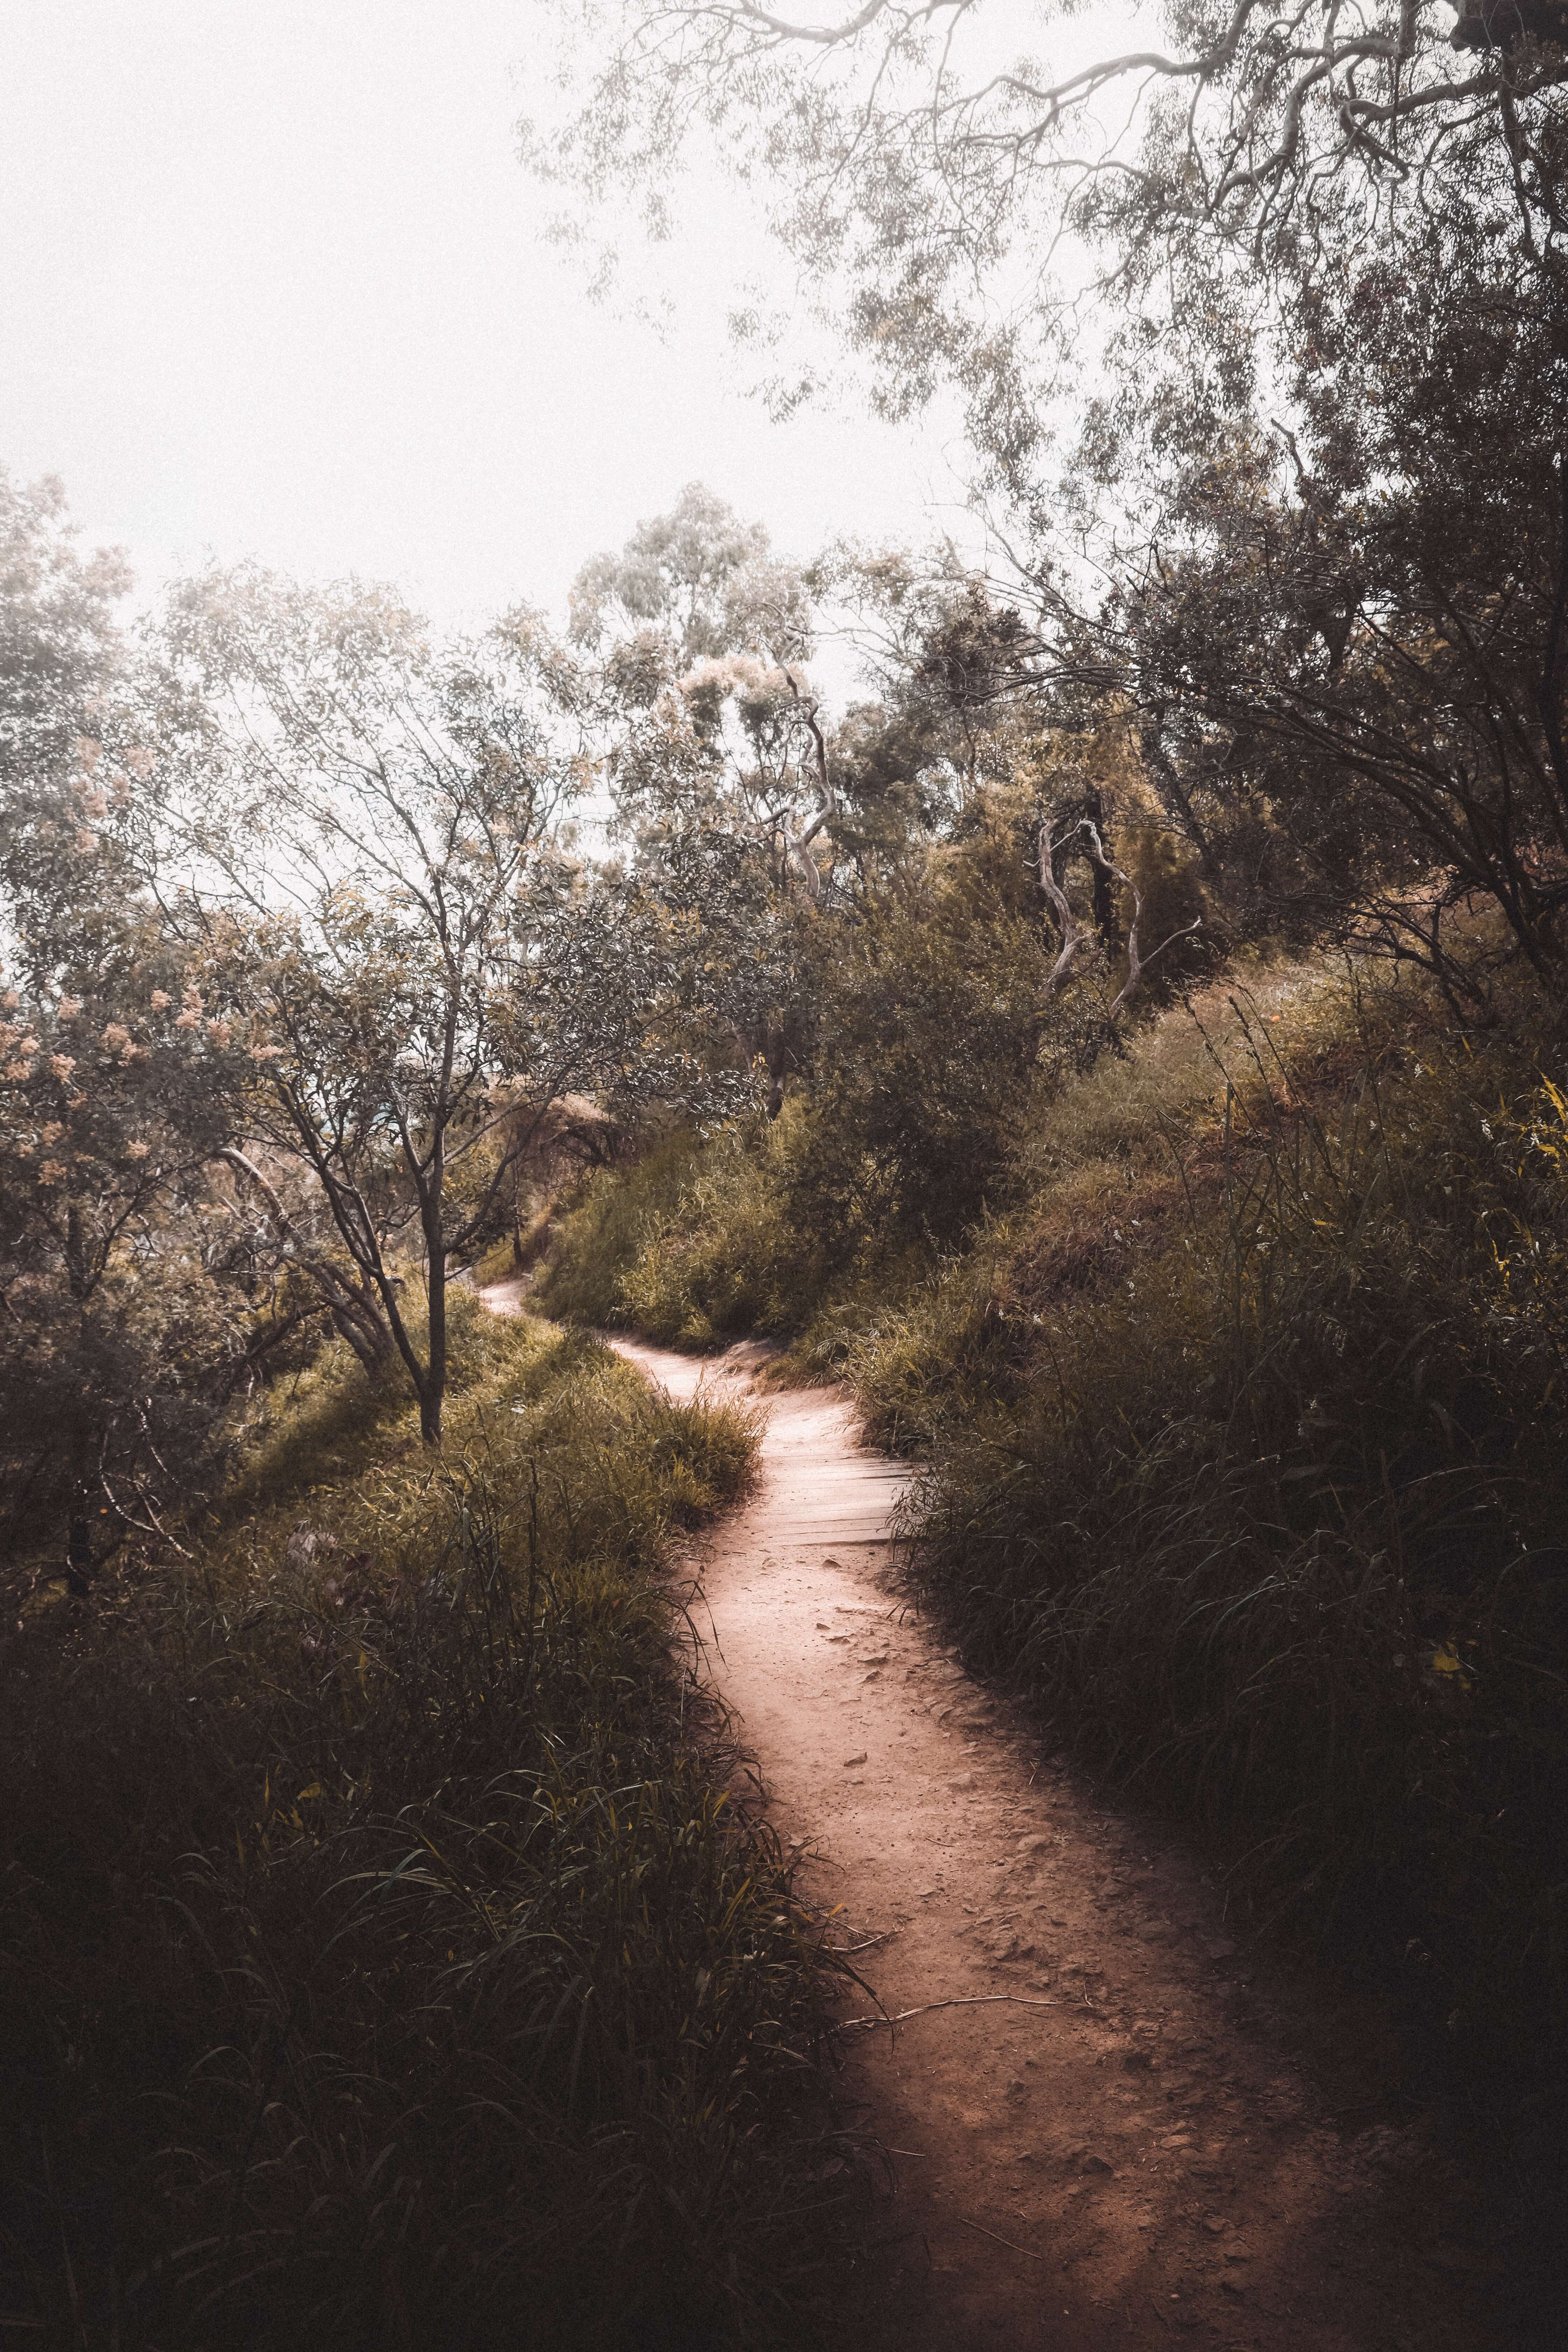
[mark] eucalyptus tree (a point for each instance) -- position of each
(718, 759)
(939, 172)
(120, 1339)
(1261, 323)
(693, 584)
(381, 902)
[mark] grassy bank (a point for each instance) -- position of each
(692, 1245)
(382, 1960)
(710, 1238)
(1242, 1421)
(1257, 1497)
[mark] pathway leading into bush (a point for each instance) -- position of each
(1123, 2131)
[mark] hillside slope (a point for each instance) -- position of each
(1241, 1419)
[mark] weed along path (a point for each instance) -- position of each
(1105, 2129)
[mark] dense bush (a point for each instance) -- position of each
(695, 1242)
(935, 1045)
(384, 1959)
(934, 1020)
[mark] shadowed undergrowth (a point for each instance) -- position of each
(382, 1959)
(1242, 1420)
(1243, 1455)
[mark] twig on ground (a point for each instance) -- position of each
(959, 2000)
(1001, 2242)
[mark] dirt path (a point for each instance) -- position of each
(1126, 2134)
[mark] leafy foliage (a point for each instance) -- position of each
(121, 1338)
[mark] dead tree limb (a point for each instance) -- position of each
(1137, 962)
(355, 1312)
(1076, 935)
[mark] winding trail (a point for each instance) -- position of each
(1124, 2132)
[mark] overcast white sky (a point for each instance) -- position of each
(271, 284)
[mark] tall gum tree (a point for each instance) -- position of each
(718, 757)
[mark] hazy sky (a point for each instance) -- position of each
(271, 284)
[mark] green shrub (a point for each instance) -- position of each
(383, 1960)
(602, 1227)
(698, 1242)
(933, 1046)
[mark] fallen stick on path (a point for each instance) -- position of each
(959, 2000)
(1001, 2242)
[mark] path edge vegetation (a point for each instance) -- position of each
(1237, 1420)
(390, 1948)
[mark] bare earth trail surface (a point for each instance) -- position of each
(1122, 2133)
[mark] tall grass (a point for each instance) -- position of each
(1259, 1500)
(384, 1957)
(698, 1242)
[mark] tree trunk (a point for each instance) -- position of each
(365, 1329)
(1157, 758)
(356, 1315)
(435, 1390)
(1105, 921)
(775, 1054)
(433, 1394)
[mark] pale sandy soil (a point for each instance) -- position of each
(1134, 2130)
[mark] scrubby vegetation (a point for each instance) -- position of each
(1128, 1044)
(1250, 1478)
(1241, 1419)
(691, 1245)
(386, 1957)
